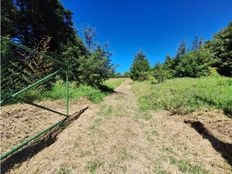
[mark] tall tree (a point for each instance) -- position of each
(8, 15)
(195, 64)
(197, 43)
(221, 47)
(29, 21)
(89, 34)
(140, 67)
(181, 50)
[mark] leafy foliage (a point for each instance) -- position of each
(194, 64)
(221, 47)
(211, 59)
(95, 68)
(29, 22)
(140, 67)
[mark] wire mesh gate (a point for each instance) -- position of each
(25, 74)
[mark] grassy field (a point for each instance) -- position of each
(93, 94)
(185, 95)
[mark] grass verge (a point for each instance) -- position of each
(93, 94)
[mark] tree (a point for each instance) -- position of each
(140, 67)
(195, 64)
(197, 43)
(28, 21)
(94, 68)
(117, 75)
(169, 67)
(126, 74)
(159, 73)
(8, 15)
(89, 34)
(181, 50)
(221, 47)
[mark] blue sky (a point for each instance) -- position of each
(155, 26)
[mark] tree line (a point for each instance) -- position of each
(213, 57)
(30, 22)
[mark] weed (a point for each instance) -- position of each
(186, 167)
(93, 165)
(63, 170)
(124, 154)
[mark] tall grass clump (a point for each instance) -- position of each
(183, 95)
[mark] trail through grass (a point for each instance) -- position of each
(115, 136)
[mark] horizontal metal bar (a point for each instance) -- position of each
(32, 85)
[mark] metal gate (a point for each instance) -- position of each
(23, 72)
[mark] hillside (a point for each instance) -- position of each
(116, 136)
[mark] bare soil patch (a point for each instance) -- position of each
(215, 127)
(21, 121)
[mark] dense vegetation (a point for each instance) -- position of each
(194, 79)
(183, 95)
(48, 24)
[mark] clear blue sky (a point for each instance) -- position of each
(155, 26)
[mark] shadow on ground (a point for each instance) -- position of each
(225, 149)
(36, 146)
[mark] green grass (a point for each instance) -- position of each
(58, 92)
(185, 95)
(63, 170)
(93, 94)
(123, 154)
(186, 167)
(93, 165)
(113, 83)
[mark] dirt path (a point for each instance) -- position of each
(116, 137)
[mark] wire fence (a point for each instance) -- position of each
(26, 75)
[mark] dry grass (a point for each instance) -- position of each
(116, 137)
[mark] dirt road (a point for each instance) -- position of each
(116, 137)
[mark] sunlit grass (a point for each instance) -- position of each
(113, 82)
(186, 94)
